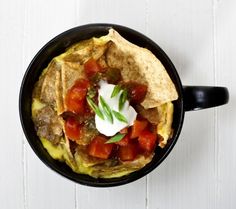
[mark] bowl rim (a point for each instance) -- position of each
(101, 182)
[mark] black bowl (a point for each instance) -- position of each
(57, 46)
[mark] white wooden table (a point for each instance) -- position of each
(200, 38)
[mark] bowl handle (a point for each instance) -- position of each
(201, 97)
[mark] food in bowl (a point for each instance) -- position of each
(103, 106)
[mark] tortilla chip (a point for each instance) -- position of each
(84, 50)
(164, 127)
(140, 65)
(69, 74)
(48, 89)
(72, 67)
(123, 168)
(59, 97)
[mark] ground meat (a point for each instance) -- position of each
(48, 125)
(48, 87)
(88, 132)
(150, 114)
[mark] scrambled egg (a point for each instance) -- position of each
(67, 68)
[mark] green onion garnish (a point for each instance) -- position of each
(122, 99)
(115, 91)
(119, 116)
(115, 138)
(106, 109)
(94, 107)
(91, 92)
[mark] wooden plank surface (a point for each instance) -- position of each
(199, 37)
(11, 152)
(43, 187)
(225, 121)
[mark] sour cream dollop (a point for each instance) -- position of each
(105, 126)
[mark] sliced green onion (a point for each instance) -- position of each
(115, 138)
(115, 91)
(94, 107)
(91, 92)
(106, 109)
(122, 99)
(119, 116)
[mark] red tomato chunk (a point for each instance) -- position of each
(128, 153)
(75, 98)
(124, 130)
(98, 148)
(91, 67)
(72, 129)
(136, 92)
(137, 128)
(125, 141)
(147, 140)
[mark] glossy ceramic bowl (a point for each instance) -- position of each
(189, 99)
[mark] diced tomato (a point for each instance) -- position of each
(124, 130)
(136, 92)
(75, 106)
(98, 148)
(91, 67)
(79, 89)
(147, 140)
(72, 129)
(137, 128)
(125, 141)
(128, 153)
(75, 97)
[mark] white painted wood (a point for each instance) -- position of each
(43, 187)
(225, 46)
(11, 155)
(128, 196)
(130, 13)
(199, 36)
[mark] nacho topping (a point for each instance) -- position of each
(103, 106)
